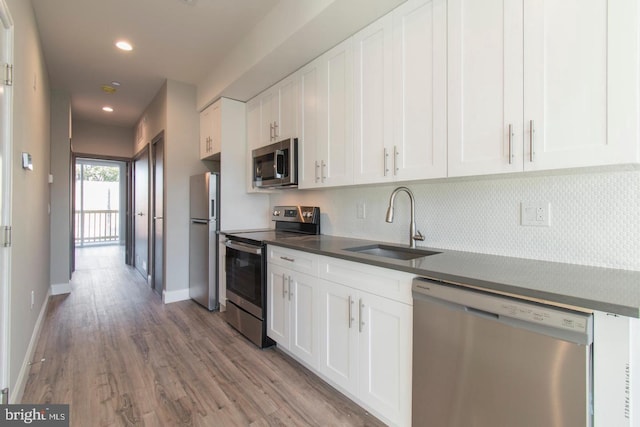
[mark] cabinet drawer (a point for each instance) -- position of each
(295, 260)
(395, 285)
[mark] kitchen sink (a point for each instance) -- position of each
(394, 252)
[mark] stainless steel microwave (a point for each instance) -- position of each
(276, 165)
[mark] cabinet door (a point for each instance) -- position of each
(269, 115)
(581, 83)
(372, 130)
(420, 90)
(309, 126)
(336, 116)
(253, 137)
(338, 335)
(286, 121)
(303, 300)
(485, 86)
(216, 129)
(385, 356)
(278, 305)
(206, 131)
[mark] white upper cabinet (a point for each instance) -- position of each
(400, 75)
(485, 86)
(542, 85)
(580, 83)
(325, 148)
(373, 116)
(308, 166)
(420, 90)
(210, 131)
(273, 115)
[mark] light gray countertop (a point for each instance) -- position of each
(593, 288)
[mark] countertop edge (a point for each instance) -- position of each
(447, 276)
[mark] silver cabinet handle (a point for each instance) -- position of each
(140, 214)
(531, 143)
(289, 288)
(386, 160)
(317, 169)
(287, 259)
(270, 131)
(350, 311)
(283, 289)
(510, 143)
(360, 321)
(395, 160)
(323, 170)
(275, 130)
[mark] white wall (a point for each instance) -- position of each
(594, 216)
(174, 111)
(60, 192)
(102, 140)
(30, 252)
(182, 153)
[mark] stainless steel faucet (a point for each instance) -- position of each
(413, 235)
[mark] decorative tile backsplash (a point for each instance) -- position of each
(594, 217)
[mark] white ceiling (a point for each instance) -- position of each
(173, 39)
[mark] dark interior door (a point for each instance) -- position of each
(141, 213)
(158, 215)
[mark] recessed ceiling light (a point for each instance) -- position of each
(108, 89)
(115, 83)
(107, 109)
(124, 45)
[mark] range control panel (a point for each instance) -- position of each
(304, 214)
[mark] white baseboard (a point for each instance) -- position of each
(60, 288)
(21, 381)
(175, 296)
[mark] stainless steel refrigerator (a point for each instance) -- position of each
(203, 239)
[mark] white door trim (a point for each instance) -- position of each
(6, 149)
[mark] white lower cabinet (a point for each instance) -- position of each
(349, 322)
(366, 349)
(291, 312)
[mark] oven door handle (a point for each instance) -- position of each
(242, 247)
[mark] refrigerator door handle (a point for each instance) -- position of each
(198, 221)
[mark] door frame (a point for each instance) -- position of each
(6, 148)
(152, 209)
(146, 151)
(128, 188)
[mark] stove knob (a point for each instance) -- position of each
(276, 213)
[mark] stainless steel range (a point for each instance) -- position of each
(246, 268)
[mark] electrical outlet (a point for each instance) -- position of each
(535, 214)
(361, 210)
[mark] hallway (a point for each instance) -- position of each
(120, 357)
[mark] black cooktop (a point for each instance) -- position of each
(289, 220)
(255, 237)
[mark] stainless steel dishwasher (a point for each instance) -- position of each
(484, 360)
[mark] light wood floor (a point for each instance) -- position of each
(120, 357)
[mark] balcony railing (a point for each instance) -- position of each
(98, 226)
